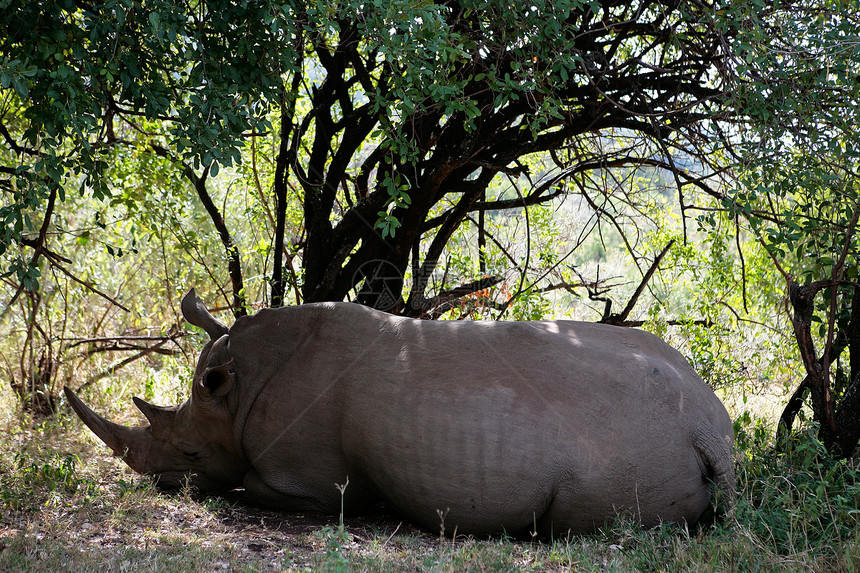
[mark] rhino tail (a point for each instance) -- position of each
(716, 454)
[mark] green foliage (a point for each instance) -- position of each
(385, 108)
(530, 305)
(335, 540)
(73, 71)
(798, 191)
(33, 480)
(800, 499)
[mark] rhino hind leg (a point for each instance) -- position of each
(650, 495)
(718, 467)
(570, 514)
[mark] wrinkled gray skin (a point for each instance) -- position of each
(501, 426)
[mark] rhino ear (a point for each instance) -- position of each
(218, 380)
(197, 314)
(218, 376)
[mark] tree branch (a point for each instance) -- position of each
(39, 245)
(621, 319)
(111, 370)
(87, 285)
(431, 306)
(234, 264)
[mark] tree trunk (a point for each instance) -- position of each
(839, 429)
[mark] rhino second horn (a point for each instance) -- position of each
(197, 314)
(160, 417)
(131, 444)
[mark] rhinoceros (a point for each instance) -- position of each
(480, 427)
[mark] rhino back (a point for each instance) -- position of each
(496, 422)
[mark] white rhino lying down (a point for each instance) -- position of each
(500, 426)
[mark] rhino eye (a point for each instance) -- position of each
(193, 455)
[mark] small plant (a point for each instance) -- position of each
(30, 481)
(335, 540)
(442, 515)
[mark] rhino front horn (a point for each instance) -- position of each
(197, 314)
(130, 444)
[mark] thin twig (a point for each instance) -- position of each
(621, 318)
(87, 285)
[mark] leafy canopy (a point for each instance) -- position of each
(390, 119)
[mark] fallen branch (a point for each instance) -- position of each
(638, 323)
(96, 339)
(119, 347)
(110, 370)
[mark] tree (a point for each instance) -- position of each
(393, 119)
(797, 70)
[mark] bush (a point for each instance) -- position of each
(33, 479)
(800, 500)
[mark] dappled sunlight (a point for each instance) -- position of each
(765, 404)
(116, 520)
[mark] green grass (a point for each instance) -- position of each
(66, 505)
